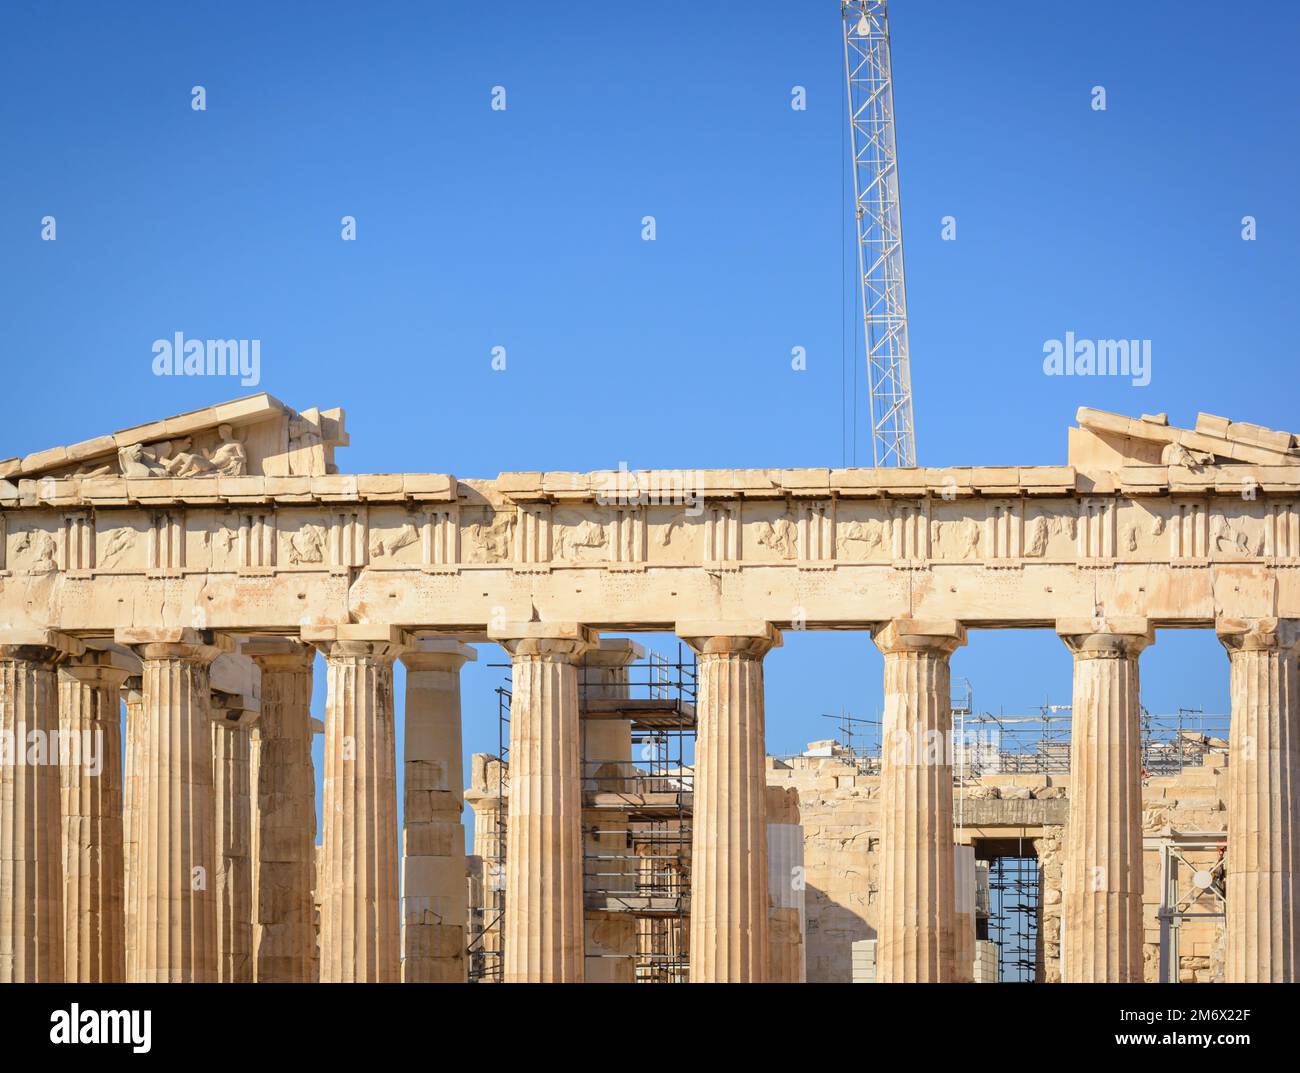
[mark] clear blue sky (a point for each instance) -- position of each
(522, 229)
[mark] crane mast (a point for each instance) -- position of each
(870, 91)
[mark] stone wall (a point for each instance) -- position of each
(1194, 801)
(1048, 849)
(839, 811)
(840, 817)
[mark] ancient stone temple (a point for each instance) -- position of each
(191, 570)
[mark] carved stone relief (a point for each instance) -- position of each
(861, 539)
(490, 541)
(1236, 537)
(176, 458)
(957, 539)
(780, 535)
(387, 545)
(118, 542)
(37, 551)
(307, 545)
(575, 538)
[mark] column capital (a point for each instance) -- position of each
(562, 641)
(103, 668)
(437, 654)
(174, 642)
(236, 691)
(234, 711)
(484, 800)
(38, 645)
(1100, 637)
(488, 782)
(1258, 634)
(935, 636)
(132, 690)
(358, 639)
(748, 638)
(614, 652)
(279, 653)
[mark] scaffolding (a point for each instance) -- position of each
(1039, 742)
(636, 816)
(1193, 886)
(858, 741)
(487, 918)
(1036, 742)
(1014, 898)
(637, 811)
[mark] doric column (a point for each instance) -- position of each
(917, 932)
(90, 724)
(360, 927)
(133, 701)
(1102, 865)
(1263, 859)
(487, 797)
(434, 908)
(175, 825)
(543, 917)
(284, 830)
(728, 939)
(31, 861)
(607, 766)
(235, 708)
(233, 810)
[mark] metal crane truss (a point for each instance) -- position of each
(870, 93)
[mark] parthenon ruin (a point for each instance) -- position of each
(188, 571)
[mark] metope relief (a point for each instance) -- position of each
(575, 538)
(957, 539)
(779, 536)
(1049, 534)
(863, 539)
(306, 545)
(395, 538)
(1237, 532)
(674, 534)
(34, 551)
(490, 539)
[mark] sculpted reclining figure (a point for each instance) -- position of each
(173, 458)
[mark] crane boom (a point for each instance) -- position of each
(870, 91)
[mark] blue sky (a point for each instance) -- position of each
(480, 228)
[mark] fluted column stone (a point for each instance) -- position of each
(1102, 852)
(486, 795)
(360, 925)
(235, 709)
(132, 694)
(284, 830)
(729, 929)
(175, 916)
(31, 836)
(544, 904)
(1263, 859)
(90, 727)
(434, 892)
(917, 933)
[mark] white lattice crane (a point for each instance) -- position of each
(870, 90)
